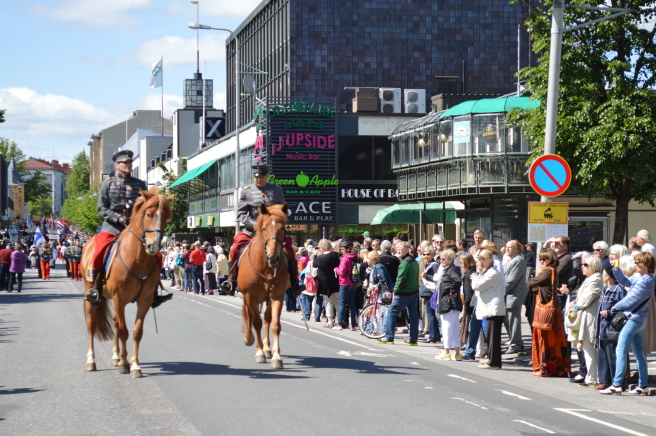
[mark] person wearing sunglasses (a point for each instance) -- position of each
(635, 306)
(586, 309)
(600, 249)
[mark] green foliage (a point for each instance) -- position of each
(607, 109)
(41, 207)
(2, 115)
(10, 149)
(180, 204)
(36, 188)
(77, 182)
(83, 213)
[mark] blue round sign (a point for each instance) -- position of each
(550, 175)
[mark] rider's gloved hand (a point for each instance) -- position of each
(124, 220)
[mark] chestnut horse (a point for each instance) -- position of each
(134, 277)
(264, 278)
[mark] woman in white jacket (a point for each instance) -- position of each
(584, 311)
(209, 270)
(490, 290)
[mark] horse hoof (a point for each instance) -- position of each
(136, 373)
(90, 367)
(115, 362)
(260, 359)
(277, 364)
(124, 369)
(268, 354)
(249, 341)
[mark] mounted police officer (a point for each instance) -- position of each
(248, 210)
(115, 201)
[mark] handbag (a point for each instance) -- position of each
(544, 315)
(386, 296)
(620, 318)
(429, 285)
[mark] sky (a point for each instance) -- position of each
(72, 67)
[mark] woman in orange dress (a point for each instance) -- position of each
(550, 356)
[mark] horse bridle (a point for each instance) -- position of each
(159, 232)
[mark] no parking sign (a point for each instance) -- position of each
(550, 175)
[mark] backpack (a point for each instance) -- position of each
(208, 262)
(179, 261)
(355, 272)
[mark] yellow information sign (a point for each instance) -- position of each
(547, 213)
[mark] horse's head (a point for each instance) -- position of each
(270, 227)
(150, 215)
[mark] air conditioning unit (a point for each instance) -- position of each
(390, 100)
(415, 101)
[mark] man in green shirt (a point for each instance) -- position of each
(406, 294)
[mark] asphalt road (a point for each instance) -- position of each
(200, 379)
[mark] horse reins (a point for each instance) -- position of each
(142, 279)
(263, 245)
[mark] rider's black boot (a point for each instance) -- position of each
(293, 278)
(229, 286)
(93, 295)
(159, 299)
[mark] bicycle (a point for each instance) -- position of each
(371, 319)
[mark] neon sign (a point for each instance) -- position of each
(300, 139)
(304, 180)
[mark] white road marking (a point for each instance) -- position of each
(414, 363)
(302, 327)
(617, 413)
(469, 402)
(512, 394)
(365, 353)
(428, 387)
(344, 353)
(598, 421)
(535, 426)
(461, 378)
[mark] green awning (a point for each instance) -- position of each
(192, 174)
(410, 214)
(490, 106)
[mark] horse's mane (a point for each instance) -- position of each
(148, 199)
(275, 212)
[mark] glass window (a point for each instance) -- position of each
(396, 152)
(514, 143)
(227, 173)
(454, 174)
(468, 168)
(382, 159)
(442, 173)
(355, 158)
(446, 139)
(491, 172)
(417, 151)
(488, 137)
(461, 136)
(518, 171)
(424, 145)
(405, 150)
(434, 138)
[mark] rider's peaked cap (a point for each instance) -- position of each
(123, 156)
(261, 170)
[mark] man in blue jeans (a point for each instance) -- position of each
(406, 294)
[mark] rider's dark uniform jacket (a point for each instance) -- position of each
(250, 200)
(116, 199)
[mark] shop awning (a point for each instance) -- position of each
(192, 174)
(410, 214)
(490, 106)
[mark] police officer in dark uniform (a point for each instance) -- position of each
(115, 201)
(248, 209)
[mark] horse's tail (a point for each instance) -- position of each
(104, 321)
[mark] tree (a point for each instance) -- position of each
(180, 203)
(41, 207)
(10, 149)
(77, 182)
(36, 188)
(2, 115)
(607, 109)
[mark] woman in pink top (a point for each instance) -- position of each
(17, 268)
(346, 286)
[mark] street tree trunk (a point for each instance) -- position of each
(621, 219)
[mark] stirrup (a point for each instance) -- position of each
(229, 287)
(93, 297)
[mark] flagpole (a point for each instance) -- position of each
(162, 73)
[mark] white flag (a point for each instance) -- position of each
(156, 74)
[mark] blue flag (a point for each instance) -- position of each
(38, 237)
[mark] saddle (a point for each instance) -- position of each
(108, 260)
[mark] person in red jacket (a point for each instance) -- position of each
(346, 285)
(5, 261)
(197, 259)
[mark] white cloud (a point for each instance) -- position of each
(37, 121)
(94, 13)
(214, 8)
(178, 51)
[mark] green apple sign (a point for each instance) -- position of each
(302, 180)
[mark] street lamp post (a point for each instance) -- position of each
(197, 26)
(554, 65)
